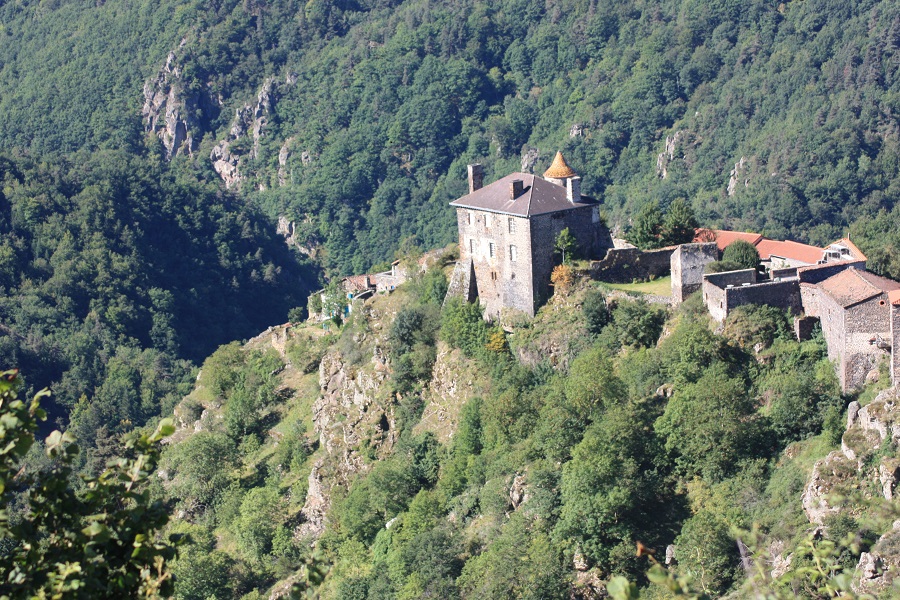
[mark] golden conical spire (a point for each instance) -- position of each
(559, 169)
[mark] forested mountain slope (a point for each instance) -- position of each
(429, 455)
(358, 117)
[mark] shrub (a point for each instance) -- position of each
(463, 326)
(742, 253)
(562, 277)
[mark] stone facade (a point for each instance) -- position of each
(687, 263)
(895, 340)
(723, 292)
(625, 265)
(507, 233)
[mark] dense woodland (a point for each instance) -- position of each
(122, 271)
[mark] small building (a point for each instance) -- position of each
(508, 230)
(860, 321)
(687, 264)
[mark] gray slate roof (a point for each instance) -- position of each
(538, 197)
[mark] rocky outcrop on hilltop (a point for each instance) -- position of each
(248, 124)
(857, 472)
(170, 108)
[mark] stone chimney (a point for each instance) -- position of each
(573, 189)
(476, 177)
(515, 188)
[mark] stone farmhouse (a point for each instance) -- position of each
(859, 312)
(507, 233)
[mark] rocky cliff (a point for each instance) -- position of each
(860, 481)
(170, 109)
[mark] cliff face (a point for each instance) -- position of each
(350, 416)
(861, 478)
(170, 109)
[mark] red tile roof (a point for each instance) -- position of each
(792, 250)
(852, 286)
(723, 238)
(766, 247)
(894, 297)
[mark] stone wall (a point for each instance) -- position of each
(895, 344)
(462, 282)
(720, 299)
(865, 322)
(687, 263)
(625, 265)
(504, 279)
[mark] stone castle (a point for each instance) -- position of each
(507, 233)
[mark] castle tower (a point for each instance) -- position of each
(507, 230)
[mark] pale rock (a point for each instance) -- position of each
(169, 109)
(670, 555)
(852, 413)
(736, 172)
(668, 154)
(579, 562)
(518, 493)
(576, 130)
(529, 159)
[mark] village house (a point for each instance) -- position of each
(859, 313)
(507, 233)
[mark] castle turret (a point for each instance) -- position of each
(563, 175)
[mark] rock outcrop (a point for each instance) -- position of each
(169, 109)
(735, 175)
(849, 473)
(667, 155)
(349, 418)
(249, 121)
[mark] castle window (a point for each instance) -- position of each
(469, 214)
(512, 225)
(492, 250)
(471, 247)
(512, 254)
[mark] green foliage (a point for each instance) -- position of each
(596, 313)
(742, 253)
(100, 542)
(606, 488)
(708, 426)
(710, 555)
(680, 223)
(463, 327)
(565, 245)
(721, 266)
(647, 228)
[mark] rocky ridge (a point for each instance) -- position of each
(864, 469)
(170, 109)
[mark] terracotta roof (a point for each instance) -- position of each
(852, 286)
(538, 197)
(559, 169)
(358, 283)
(723, 238)
(894, 297)
(792, 250)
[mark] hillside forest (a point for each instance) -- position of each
(177, 177)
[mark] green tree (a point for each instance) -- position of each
(565, 245)
(100, 542)
(741, 253)
(647, 227)
(710, 425)
(680, 223)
